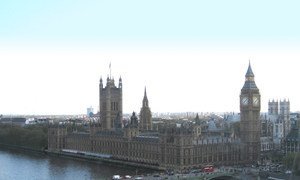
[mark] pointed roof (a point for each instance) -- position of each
(197, 117)
(249, 71)
(133, 120)
(198, 121)
(249, 83)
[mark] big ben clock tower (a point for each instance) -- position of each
(250, 124)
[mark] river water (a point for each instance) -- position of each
(17, 164)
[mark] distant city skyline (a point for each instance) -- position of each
(192, 56)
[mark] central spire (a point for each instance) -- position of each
(145, 100)
(145, 114)
(145, 93)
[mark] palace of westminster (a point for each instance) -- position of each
(171, 145)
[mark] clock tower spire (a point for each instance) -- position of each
(250, 112)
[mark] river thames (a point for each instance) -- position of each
(17, 164)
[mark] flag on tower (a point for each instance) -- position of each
(110, 69)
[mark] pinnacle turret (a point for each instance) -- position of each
(101, 82)
(120, 82)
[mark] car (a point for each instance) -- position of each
(116, 177)
(288, 172)
(138, 178)
(128, 177)
(156, 175)
(170, 172)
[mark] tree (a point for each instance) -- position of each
(34, 136)
(292, 161)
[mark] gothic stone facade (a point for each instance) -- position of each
(250, 113)
(172, 146)
(111, 108)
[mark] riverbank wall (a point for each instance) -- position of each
(25, 148)
(81, 157)
(102, 160)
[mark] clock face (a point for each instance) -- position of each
(255, 101)
(245, 100)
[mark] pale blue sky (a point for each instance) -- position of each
(191, 55)
(136, 20)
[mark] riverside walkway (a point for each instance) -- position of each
(190, 176)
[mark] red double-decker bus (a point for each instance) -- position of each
(208, 168)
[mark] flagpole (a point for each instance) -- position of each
(110, 70)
